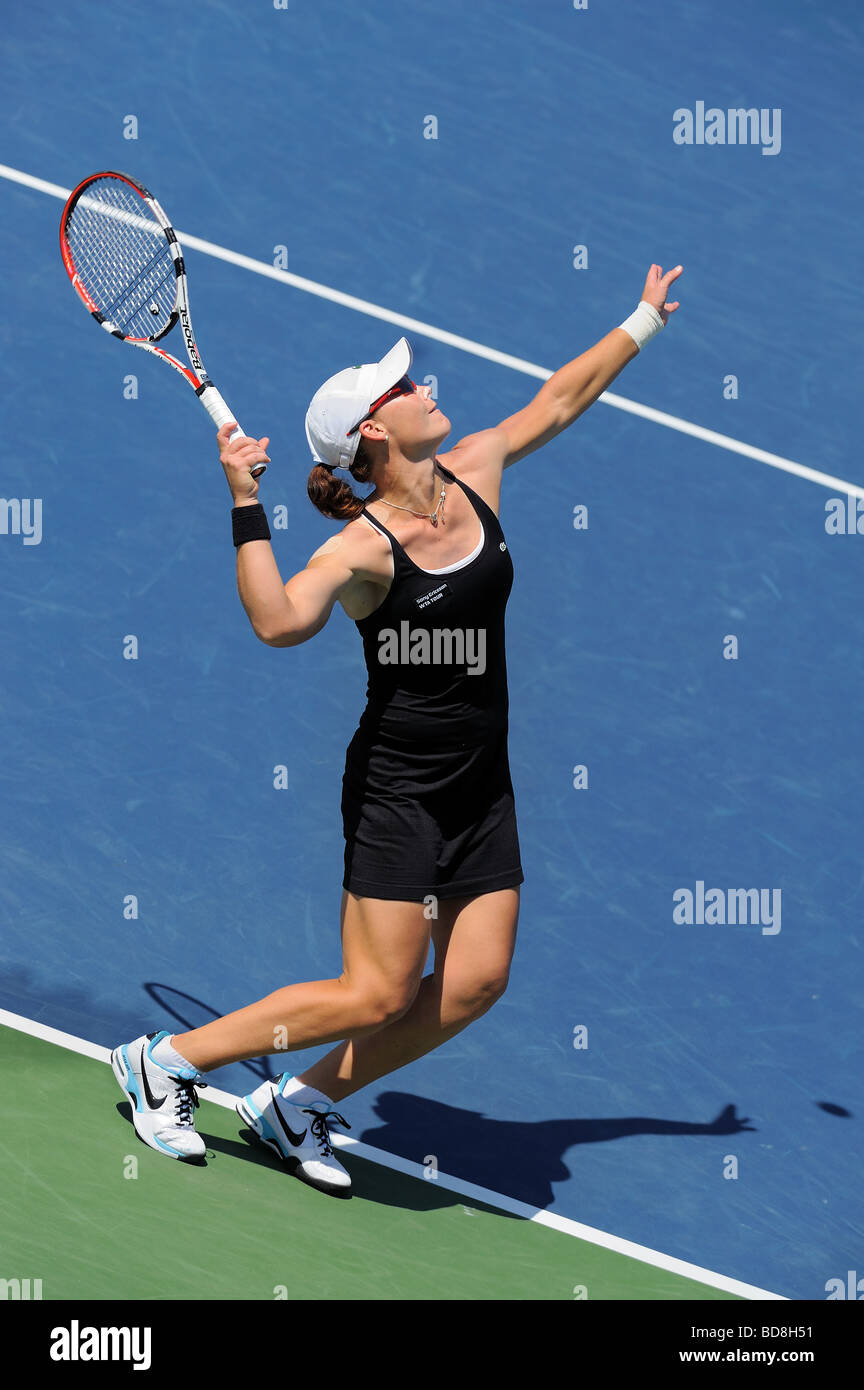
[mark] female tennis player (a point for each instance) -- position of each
(431, 844)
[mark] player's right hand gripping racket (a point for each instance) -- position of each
(123, 257)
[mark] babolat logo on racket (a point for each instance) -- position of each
(190, 340)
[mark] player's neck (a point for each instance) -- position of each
(413, 483)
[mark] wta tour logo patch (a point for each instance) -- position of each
(434, 596)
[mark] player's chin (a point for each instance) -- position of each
(439, 427)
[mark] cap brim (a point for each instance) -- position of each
(393, 365)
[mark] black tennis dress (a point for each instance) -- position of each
(427, 799)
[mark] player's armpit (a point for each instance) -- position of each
(483, 447)
(353, 556)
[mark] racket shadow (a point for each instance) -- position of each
(194, 1013)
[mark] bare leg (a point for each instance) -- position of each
(384, 949)
(474, 942)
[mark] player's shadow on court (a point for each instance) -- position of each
(520, 1158)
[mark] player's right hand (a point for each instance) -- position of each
(238, 459)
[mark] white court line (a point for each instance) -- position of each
(416, 1170)
(503, 359)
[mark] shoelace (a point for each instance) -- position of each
(187, 1100)
(321, 1130)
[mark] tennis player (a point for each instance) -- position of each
(431, 844)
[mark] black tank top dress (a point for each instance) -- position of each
(427, 798)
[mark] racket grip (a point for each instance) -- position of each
(220, 415)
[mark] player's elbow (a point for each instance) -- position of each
(292, 634)
(305, 611)
(277, 638)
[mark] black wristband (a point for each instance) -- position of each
(249, 524)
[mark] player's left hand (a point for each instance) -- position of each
(657, 288)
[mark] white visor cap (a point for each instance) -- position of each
(343, 401)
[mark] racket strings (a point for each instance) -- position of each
(123, 259)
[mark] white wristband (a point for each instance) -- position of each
(643, 324)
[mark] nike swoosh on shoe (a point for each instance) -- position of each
(295, 1139)
(151, 1099)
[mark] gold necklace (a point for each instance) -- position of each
(432, 516)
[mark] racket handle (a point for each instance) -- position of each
(220, 415)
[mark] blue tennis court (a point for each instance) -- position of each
(694, 1088)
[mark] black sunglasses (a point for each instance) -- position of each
(404, 387)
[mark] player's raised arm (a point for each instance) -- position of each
(576, 385)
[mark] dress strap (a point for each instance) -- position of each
(379, 526)
(485, 514)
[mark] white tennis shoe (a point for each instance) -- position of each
(162, 1101)
(298, 1133)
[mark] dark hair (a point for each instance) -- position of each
(335, 497)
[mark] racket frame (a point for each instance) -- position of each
(195, 374)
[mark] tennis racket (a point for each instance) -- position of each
(123, 257)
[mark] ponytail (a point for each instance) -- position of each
(334, 497)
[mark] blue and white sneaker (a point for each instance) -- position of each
(162, 1101)
(298, 1133)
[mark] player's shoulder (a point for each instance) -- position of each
(476, 452)
(359, 547)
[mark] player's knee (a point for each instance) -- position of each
(479, 993)
(386, 1002)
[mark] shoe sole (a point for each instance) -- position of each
(125, 1076)
(256, 1123)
